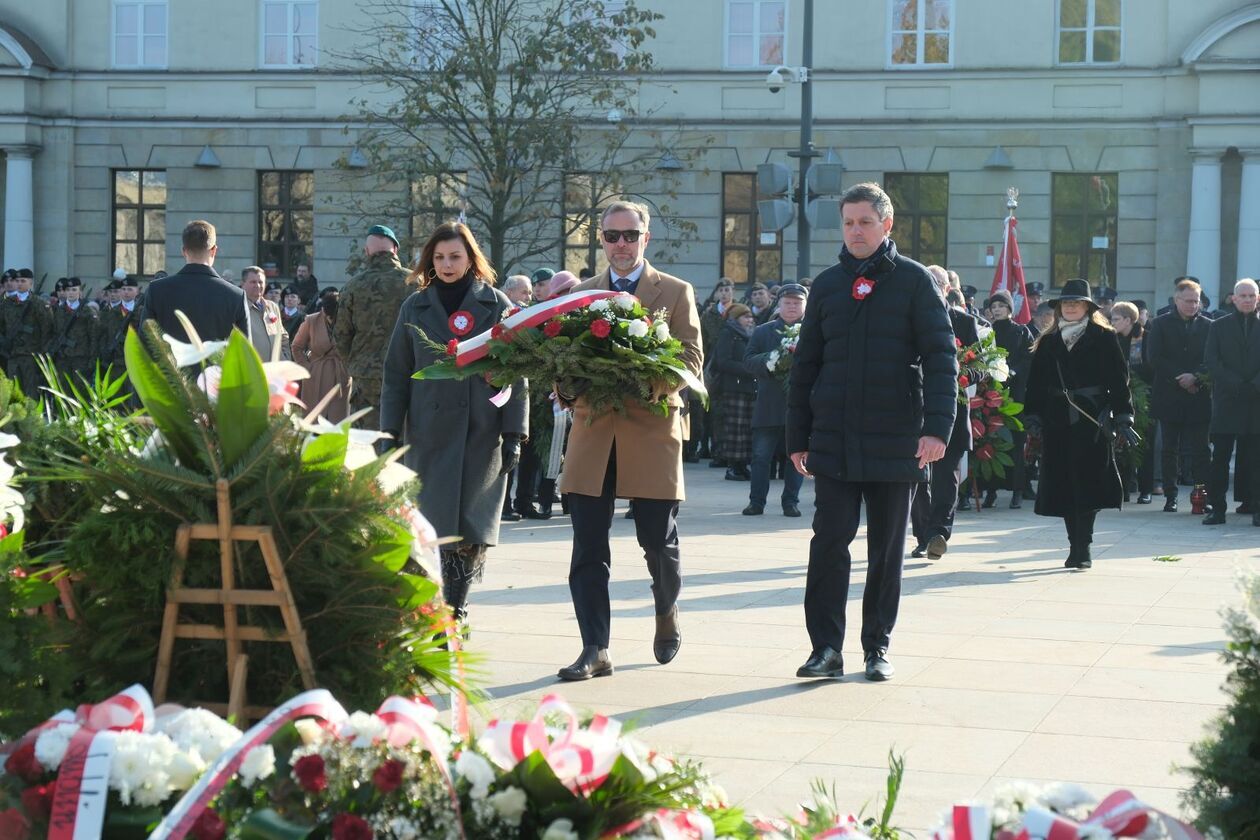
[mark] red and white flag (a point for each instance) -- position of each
(1010, 274)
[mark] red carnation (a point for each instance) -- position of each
(23, 763)
(985, 453)
(496, 331)
(969, 356)
(350, 827)
(958, 342)
(37, 801)
(600, 328)
(14, 825)
(552, 329)
(452, 347)
(963, 380)
(388, 776)
(309, 770)
(209, 826)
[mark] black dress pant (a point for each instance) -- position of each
(527, 477)
(935, 501)
(838, 506)
(1246, 472)
(656, 526)
(1190, 441)
(1080, 527)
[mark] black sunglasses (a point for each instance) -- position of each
(614, 236)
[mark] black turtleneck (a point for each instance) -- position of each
(452, 294)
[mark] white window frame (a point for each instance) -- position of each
(756, 34)
(289, 35)
(139, 35)
(1089, 30)
(920, 31)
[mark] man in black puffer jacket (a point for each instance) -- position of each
(871, 403)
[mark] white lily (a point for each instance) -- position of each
(7, 440)
(195, 350)
(12, 504)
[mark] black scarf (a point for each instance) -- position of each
(451, 295)
(883, 260)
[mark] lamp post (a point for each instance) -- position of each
(806, 152)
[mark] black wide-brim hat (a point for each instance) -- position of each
(1076, 289)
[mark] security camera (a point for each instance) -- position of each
(776, 79)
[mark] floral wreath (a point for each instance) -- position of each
(460, 322)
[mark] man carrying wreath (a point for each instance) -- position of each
(632, 455)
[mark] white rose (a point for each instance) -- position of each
(259, 763)
(365, 729)
(561, 829)
(309, 731)
(510, 804)
(624, 302)
(50, 746)
(662, 330)
(477, 771)
(638, 328)
(600, 305)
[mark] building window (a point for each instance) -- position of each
(920, 33)
(583, 206)
(139, 221)
(140, 33)
(289, 33)
(1083, 228)
(920, 215)
(1089, 31)
(748, 253)
(756, 33)
(436, 199)
(286, 221)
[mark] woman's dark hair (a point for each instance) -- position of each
(329, 307)
(423, 273)
(1096, 316)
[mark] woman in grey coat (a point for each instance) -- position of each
(461, 444)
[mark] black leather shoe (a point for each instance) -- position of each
(791, 510)
(826, 663)
(1216, 517)
(1029, 495)
(529, 511)
(594, 662)
(990, 499)
(1245, 507)
(1255, 519)
(754, 510)
(732, 474)
(919, 550)
(510, 516)
(1078, 558)
(1144, 499)
(878, 668)
(936, 547)
(668, 637)
(1016, 502)
(1170, 504)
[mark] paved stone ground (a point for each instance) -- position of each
(1008, 666)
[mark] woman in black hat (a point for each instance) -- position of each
(1077, 401)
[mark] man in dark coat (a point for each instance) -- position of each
(932, 514)
(1179, 394)
(770, 410)
(1016, 340)
(871, 403)
(1232, 357)
(213, 305)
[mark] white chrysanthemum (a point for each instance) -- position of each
(772, 360)
(184, 769)
(625, 302)
(364, 729)
(50, 746)
(154, 790)
(259, 763)
(477, 771)
(1064, 796)
(1016, 796)
(510, 804)
(200, 731)
(636, 752)
(661, 329)
(638, 328)
(600, 305)
(561, 829)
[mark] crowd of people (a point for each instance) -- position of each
(851, 379)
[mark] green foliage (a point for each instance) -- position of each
(1226, 772)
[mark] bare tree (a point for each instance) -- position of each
(490, 105)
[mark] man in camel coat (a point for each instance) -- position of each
(636, 455)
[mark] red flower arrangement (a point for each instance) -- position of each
(452, 347)
(23, 763)
(601, 329)
(351, 827)
(209, 826)
(311, 773)
(389, 776)
(553, 328)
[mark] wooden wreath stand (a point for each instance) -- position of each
(231, 632)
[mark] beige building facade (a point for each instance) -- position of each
(1131, 129)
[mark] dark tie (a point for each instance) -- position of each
(621, 284)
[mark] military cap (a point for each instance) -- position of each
(71, 283)
(382, 230)
(1036, 288)
(541, 275)
(289, 290)
(60, 284)
(9, 274)
(970, 291)
(758, 285)
(129, 281)
(159, 274)
(1107, 294)
(793, 290)
(27, 273)
(113, 285)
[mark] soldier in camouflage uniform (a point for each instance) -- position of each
(10, 283)
(114, 323)
(75, 338)
(366, 315)
(25, 325)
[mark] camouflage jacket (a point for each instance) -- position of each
(25, 326)
(366, 314)
(74, 333)
(112, 334)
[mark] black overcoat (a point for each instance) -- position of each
(771, 407)
(454, 432)
(212, 304)
(1174, 347)
(1017, 341)
(967, 330)
(1078, 463)
(728, 358)
(1233, 360)
(872, 376)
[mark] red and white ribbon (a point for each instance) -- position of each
(850, 830)
(670, 825)
(416, 720)
(581, 757)
(479, 345)
(318, 703)
(968, 822)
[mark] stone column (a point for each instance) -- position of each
(1203, 257)
(19, 208)
(1248, 219)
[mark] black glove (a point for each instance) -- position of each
(388, 444)
(1126, 436)
(511, 451)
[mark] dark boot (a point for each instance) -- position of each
(668, 637)
(460, 567)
